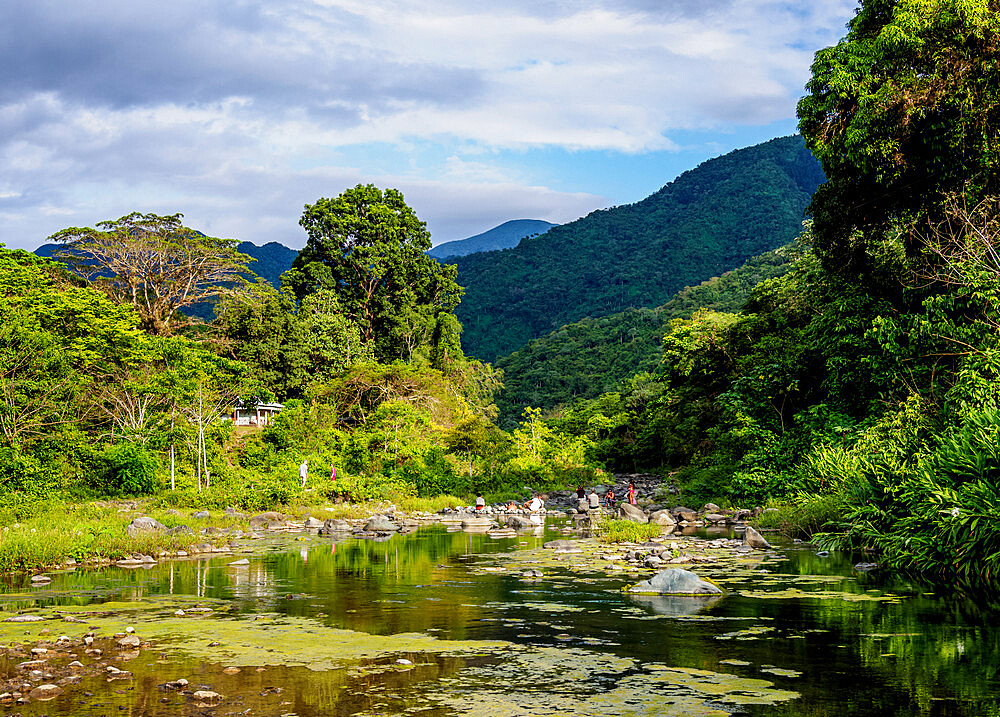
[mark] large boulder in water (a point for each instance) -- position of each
(662, 517)
(675, 581)
(755, 540)
(380, 524)
(145, 524)
(334, 525)
(627, 511)
(518, 521)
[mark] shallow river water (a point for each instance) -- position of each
(314, 627)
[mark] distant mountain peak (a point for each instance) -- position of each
(505, 236)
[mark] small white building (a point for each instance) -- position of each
(260, 414)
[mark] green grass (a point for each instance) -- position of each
(802, 518)
(625, 531)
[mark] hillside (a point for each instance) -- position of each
(505, 236)
(709, 220)
(593, 356)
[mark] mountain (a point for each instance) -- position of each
(505, 236)
(707, 221)
(593, 356)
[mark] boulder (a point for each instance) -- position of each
(518, 521)
(675, 581)
(45, 692)
(753, 539)
(144, 524)
(312, 523)
(662, 517)
(652, 561)
(582, 505)
(202, 515)
(866, 567)
(681, 513)
(334, 525)
(180, 530)
(380, 524)
(263, 520)
(710, 508)
(232, 512)
(627, 511)
(715, 518)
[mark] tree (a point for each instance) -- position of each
(368, 247)
(154, 263)
(901, 112)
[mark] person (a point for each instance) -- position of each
(580, 492)
(609, 499)
(595, 500)
(333, 472)
(631, 493)
(535, 504)
(480, 502)
(304, 472)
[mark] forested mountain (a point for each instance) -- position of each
(709, 220)
(505, 236)
(593, 356)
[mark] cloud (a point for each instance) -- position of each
(231, 107)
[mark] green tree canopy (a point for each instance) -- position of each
(900, 112)
(367, 246)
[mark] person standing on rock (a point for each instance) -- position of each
(631, 493)
(304, 472)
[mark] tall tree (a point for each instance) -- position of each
(154, 263)
(367, 246)
(901, 112)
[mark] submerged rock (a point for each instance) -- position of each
(675, 581)
(753, 539)
(563, 546)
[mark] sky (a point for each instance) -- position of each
(237, 113)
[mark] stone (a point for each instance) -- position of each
(710, 508)
(753, 539)
(675, 581)
(242, 561)
(40, 579)
(231, 671)
(174, 685)
(180, 530)
(25, 618)
(685, 514)
(652, 561)
(866, 567)
(231, 512)
(662, 518)
(518, 521)
(144, 524)
(627, 511)
(715, 518)
(206, 696)
(380, 524)
(582, 505)
(129, 641)
(563, 546)
(202, 515)
(335, 525)
(267, 519)
(312, 523)
(45, 692)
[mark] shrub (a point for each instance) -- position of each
(625, 531)
(129, 470)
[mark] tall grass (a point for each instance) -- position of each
(625, 531)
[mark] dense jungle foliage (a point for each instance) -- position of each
(708, 221)
(862, 386)
(584, 359)
(91, 404)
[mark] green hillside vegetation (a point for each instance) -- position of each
(707, 221)
(861, 389)
(593, 356)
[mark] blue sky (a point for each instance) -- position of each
(238, 112)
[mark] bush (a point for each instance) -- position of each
(131, 470)
(626, 531)
(803, 518)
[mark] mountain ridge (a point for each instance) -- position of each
(502, 236)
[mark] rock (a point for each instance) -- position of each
(518, 521)
(45, 692)
(243, 561)
(563, 546)
(25, 618)
(380, 524)
(652, 561)
(334, 525)
(582, 505)
(710, 508)
(207, 696)
(675, 581)
(823, 554)
(202, 515)
(40, 579)
(681, 513)
(129, 641)
(144, 524)
(715, 518)
(174, 685)
(231, 512)
(866, 567)
(627, 511)
(662, 518)
(753, 539)
(264, 520)
(312, 523)
(231, 671)
(180, 530)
